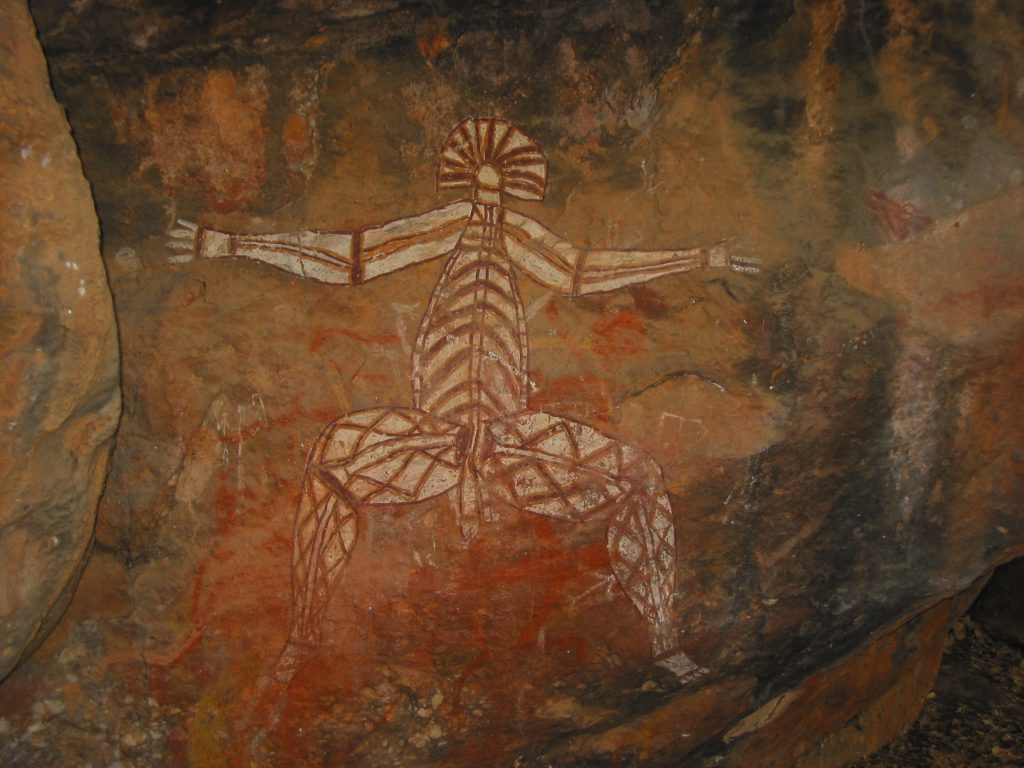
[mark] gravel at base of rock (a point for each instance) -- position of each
(974, 716)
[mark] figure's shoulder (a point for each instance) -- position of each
(449, 216)
(521, 226)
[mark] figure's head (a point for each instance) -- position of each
(492, 157)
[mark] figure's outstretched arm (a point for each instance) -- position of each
(344, 258)
(558, 264)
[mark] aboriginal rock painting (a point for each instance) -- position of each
(470, 431)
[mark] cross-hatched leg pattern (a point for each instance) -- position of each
(372, 458)
(642, 549)
(553, 466)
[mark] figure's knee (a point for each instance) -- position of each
(645, 475)
(339, 439)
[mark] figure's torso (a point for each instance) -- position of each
(470, 360)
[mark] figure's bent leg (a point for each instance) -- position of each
(325, 532)
(642, 549)
(553, 466)
(367, 458)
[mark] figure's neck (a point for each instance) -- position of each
(484, 214)
(488, 196)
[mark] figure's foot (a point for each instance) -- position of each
(681, 666)
(665, 636)
(667, 653)
(291, 659)
(265, 701)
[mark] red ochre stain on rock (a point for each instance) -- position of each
(568, 394)
(295, 139)
(227, 502)
(551, 309)
(432, 38)
(208, 138)
(373, 378)
(618, 334)
(323, 334)
(649, 301)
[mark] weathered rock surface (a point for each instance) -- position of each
(58, 344)
(840, 434)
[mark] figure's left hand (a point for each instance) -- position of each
(183, 240)
(722, 255)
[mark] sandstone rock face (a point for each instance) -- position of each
(839, 434)
(58, 343)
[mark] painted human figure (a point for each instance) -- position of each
(470, 431)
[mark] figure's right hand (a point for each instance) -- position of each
(183, 240)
